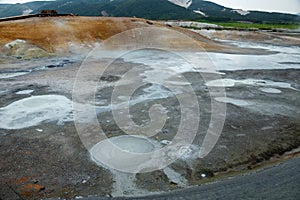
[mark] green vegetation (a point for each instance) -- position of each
(256, 25)
(149, 9)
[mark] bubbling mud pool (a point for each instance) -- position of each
(123, 150)
(33, 110)
(131, 151)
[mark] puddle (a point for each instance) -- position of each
(164, 65)
(151, 93)
(3, 91)
(154, 92)
(236, 102)
(254, 82)
(25, 92)
(36, 65)
(56, 64)
(232, 62)
(221, 83)
(270, 90)
(270, 47)
(34, 110)
(163, 70)
(5, 75)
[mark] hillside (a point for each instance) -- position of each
(154, 9)
(62, 33)
(7, 10)
(215, 12)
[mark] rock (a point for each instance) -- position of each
(33, 53)
(109, 78)
(51, 66)
(21, 49)
(206, 174)
(35, 181)
(166, 142)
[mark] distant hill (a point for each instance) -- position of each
(215, 12)
(149, 9)
(7, 10)
(154, 9)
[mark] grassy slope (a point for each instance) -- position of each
(256, 25)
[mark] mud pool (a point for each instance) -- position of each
(40, 145)
(33, 110)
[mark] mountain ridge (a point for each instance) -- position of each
(195, 10)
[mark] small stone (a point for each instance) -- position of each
(206, 174)
(126, 193)
(233, 127)
(35, 181)
(50, 66)
(42, 188)
(166, 142)
(173, 183)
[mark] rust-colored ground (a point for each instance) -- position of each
(53, 33)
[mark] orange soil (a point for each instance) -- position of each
(52, 33)
(30, 189)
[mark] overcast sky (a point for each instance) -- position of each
(291, 6)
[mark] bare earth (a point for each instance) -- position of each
(48, 160)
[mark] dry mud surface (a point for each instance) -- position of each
(42, 155)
